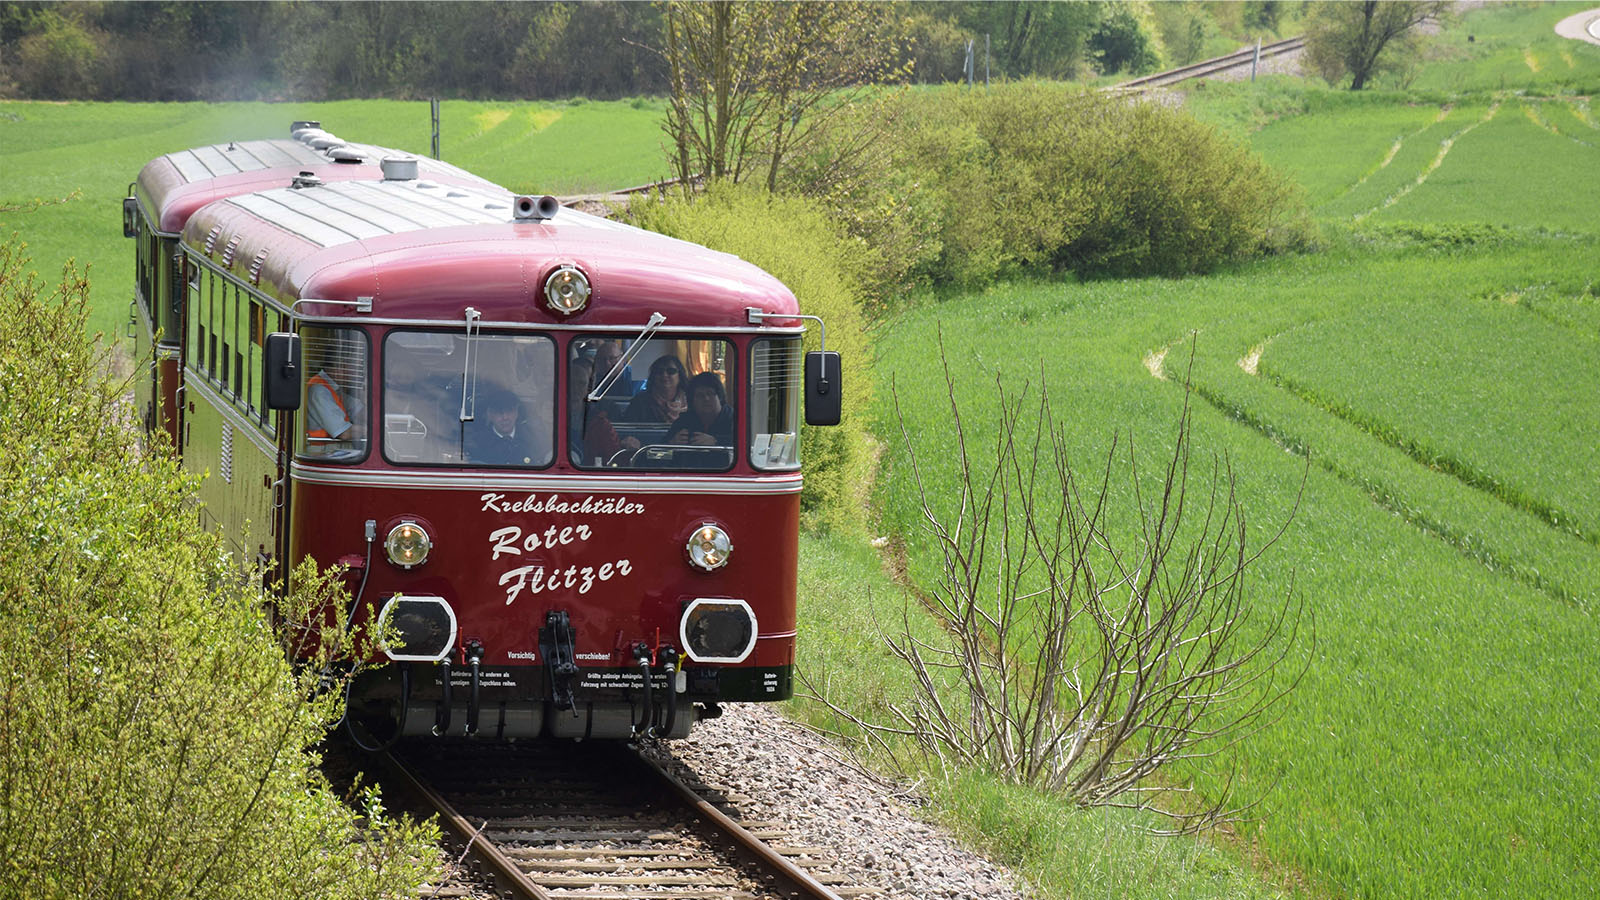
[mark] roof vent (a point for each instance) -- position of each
(399, 168)
(211, 238)
(304, 125)
(346, 155)
(305, 180)
(228, 251)
(534, 209)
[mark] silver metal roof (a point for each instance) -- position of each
(344, 211)
(232, 158)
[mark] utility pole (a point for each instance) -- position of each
(433, 105)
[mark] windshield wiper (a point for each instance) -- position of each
(638, 344)
(469, 368)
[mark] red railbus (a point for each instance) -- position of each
(557, 455)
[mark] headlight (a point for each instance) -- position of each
(710, 547)
(718, 630)
(407, 545)
(567, 290)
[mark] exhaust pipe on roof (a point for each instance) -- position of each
(534, 209)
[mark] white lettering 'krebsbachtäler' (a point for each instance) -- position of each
(605, 506)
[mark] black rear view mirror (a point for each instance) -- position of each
(282, 370)
(824, 380)
(130, 216)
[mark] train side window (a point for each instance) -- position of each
(252, 365)
(148, 251)
(170, 318)
(235, 340)
(225, 318)
(195, 332)
(334, 406)
(209, 331)
(776, 378)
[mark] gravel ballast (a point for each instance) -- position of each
(792, 776)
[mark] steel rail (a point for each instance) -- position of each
(505, 872)
(1209, 66)
(796, 879)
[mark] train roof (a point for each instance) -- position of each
(173, 186)
(426, 249)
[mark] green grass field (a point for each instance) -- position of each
(1441, 742)
(65, 167)
(1434, 373)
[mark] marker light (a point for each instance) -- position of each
(709, 547)
(567, 290)
(407, 545)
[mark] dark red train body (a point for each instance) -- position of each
(558, 456)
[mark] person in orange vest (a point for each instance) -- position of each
(326, 415)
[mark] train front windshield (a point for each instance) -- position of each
(450, 400)
(663, 403)
(488, 400)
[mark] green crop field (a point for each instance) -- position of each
(1442, 741)
(65, 167)
(1434, 374)
(1512, 47)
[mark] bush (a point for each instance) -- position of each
(799, 244)
(1046, 176)
(156, 740)
(1123, 43)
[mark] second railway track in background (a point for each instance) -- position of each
(597, 821)
(1209, 66)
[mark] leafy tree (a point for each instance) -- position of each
(1363, 39)
(752, 82)
(1262, 14)
(1043, 39)
(1122, 43)
(59, 56)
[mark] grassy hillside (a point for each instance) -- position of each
(65, 167)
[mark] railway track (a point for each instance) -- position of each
(1209, 66)
(599, 821)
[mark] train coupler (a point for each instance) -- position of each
(557, 640)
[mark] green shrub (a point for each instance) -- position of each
(827, 271)
(1047, 176)
(156, 740)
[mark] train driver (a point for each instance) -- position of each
(504, 438)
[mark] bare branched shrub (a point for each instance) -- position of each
(1073, 658)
